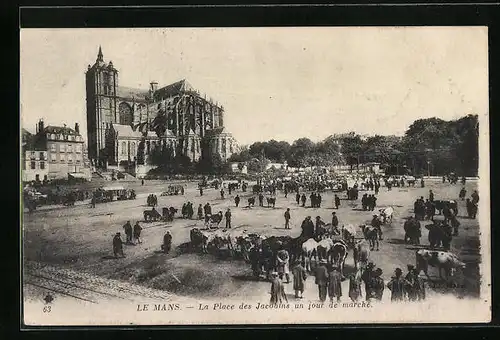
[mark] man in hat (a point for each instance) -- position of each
(307, 228)
(409, 291)
(397, 286)
(297, 198)
(287, 218)
(334, 284)
(367, 278)
(222, 193)
(118, 246)
(337, 201)
(322, 279)
(335, 220)
(137, 232)
(431, 196)
(376, 223)
(277, 290)
(355, 286)
(237, 200)
(282, 264)
(128, 231)
(303, 199)
(299, 278)
(377, 284)
(200, 212)
(167, 242)
(228, 218)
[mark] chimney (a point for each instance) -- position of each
(77, 128)
(154, 86)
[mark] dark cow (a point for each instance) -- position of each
(439, 235)
(199, 240)
(451, 204)
(151, 215)
(440, 259)
(271, 201)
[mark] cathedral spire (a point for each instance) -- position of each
(99, 55)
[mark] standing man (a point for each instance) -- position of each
(303, 199)
(396, 286)
(282, 264)
(322, 280)
(228, 218)
(462, 194)
(128, 231)
(431, 196)
(337, 201)
(167, 242)
(222, 193)
(287, 218)
(201, 190)
(299, 279)
(376, 223)
(142, 182)
(261, 200)
(286, 191)
(297, 198)
(334, 284)
(237, 200)
(137, 232)
(92, 201)
(335, 224)
(277, 290)
(200, 212)
(377, 284)
(475, 197)
(118, 246)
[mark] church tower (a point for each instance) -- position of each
(101, 82)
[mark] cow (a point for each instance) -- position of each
(271, 201)
(251, 202)
(199, 240)
(439, 259)
(214, 220)
(339, 254)
(451, 204)
(348, 233)
(151, 215)
(386, 214)
(361, 254)
(324, 249)
(309, 250)
(371, 235)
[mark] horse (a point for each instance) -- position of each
(339, 254)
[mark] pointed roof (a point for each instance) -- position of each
(173, 90)
(99, 54)
(126, 131)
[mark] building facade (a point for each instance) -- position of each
(55, 152)
(122, 121)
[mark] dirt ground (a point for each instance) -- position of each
(78, 240)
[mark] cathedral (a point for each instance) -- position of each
(125, 125)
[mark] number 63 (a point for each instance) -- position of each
(46, 309)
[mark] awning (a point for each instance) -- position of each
(77, 175)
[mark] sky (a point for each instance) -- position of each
(274, 83)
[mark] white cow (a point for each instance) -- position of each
(440, 259)
(309, 251)
(386, 214)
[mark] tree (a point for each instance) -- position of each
(211, 164)
(300, 153)
(351, 149)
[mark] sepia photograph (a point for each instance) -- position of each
(259, 175)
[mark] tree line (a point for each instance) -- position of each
(429, 146)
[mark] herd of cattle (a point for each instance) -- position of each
(261, 250)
